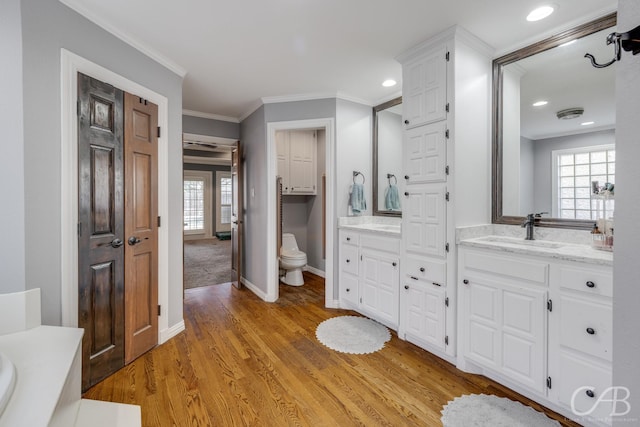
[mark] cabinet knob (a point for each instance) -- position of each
(406, 122)
(590, 393)
(590, 284)
(406, 177)
(348, 261)
(465, 281)
(591, 331)
(422, 269)
(406, 193)
(394, 263)
(348, 290)
(348, 239)
(406, 286)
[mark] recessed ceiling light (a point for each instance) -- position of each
(540, 103)
(587, 123)
(389, 83)
(568, 43)
(539, 13)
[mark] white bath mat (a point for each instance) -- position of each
(481, 410)
(352, 334)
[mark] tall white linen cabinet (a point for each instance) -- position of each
(446, 99)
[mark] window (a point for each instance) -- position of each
(575, 171)
(197, 202)
(225, 200)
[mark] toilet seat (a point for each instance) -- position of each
(292, 254)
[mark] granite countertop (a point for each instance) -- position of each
(374, 224)
(566, 248)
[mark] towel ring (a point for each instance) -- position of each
(355, 174)
(389, 176)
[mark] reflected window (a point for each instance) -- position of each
(576, 169)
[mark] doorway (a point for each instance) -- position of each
(326, 126)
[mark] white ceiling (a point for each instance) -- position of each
(236, 52)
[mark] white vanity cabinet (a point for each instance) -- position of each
(369, 274)
(296, 154)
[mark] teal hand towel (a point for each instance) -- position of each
(356, 200)
(392, 198)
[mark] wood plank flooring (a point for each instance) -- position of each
(242, 361)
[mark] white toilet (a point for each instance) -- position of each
(291, 261)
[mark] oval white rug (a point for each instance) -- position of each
(481, 410)
(352, 334)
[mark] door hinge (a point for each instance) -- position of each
(78, 108)
(360, 257)
(360, 300)
(447, 56)
(446, 196)
(446, 247)
(446, 170)
(446, 107)
(159, 310)
(549, 305)
(549, 382)
(158, 131)
(446, 302)
(446, 133)
(79, 229)
(159, 221)
(446, 340)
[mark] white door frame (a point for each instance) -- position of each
(71, 64)
(328, 124)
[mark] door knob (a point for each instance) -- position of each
(116, 243)
(133, 240)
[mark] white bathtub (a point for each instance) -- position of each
(7, 380)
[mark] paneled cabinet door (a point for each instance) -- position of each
(379, 280)
(425, 89)
(424, 220)
(425, 313)
(505, 330)
(425, 153)
(302, 163)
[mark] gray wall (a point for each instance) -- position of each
(626, 268)
(12, 225)
(48, 26)
(543, 196)
(211, 127)
(527, 179)
(212, 169)
(300, 110)
(253, 134)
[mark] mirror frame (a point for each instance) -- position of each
(374, 177)
(497, 216)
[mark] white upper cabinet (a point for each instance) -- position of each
(296, 152)
(425, 154)
(424, 89)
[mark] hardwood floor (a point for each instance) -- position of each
(242, 361)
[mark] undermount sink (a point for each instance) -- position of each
(521, 242)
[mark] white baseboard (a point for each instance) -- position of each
(167, 334)
(256, 290)
(314, 271)
(332, 303)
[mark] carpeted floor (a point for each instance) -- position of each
(206, 262)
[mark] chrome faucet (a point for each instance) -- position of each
(530, 222)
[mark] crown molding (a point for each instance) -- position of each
(202, 115)
(252, 109)
(125, 37)
(388, 98)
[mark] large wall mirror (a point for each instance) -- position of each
(554, 128)
(387, 158)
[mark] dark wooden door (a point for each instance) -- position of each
(100, 229)
(237, 227)
(141, 226)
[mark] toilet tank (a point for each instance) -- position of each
(289, 242)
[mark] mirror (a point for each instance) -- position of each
(554, 129)
(387, 158)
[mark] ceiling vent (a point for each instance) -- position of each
(570, 113)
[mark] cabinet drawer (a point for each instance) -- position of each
(349, 259)
(380, 243)
(594, 282)
(349, 237)
(586, 326)
(578, 380)
(507, 266)
(427, 270)
(349, 288)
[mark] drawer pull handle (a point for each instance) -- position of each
(436, 284)
(422, 269)
(590, 284)
(406, 122)
(465, 281)
(394, 263)
(406, 193)
(406, 286)
(348, 261)
(590, 393)
(348, 239)
(413, 277)
(591, 331)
